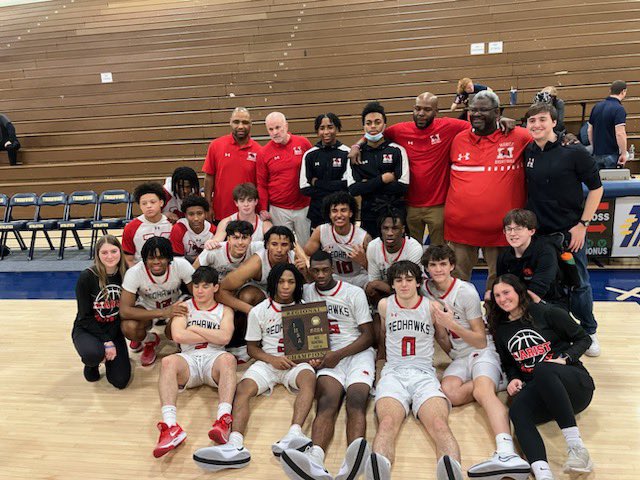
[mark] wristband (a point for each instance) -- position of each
(109, 346)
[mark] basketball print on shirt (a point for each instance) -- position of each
(528, 348)
(107, 304)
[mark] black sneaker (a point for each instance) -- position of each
(91, 374)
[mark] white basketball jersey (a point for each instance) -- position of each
(464, 299)
(339, 246)
(266, 267)
(210, 319)
(409, 335)
(194, 242)
(222, 260)
(347, 308)
(157, 292)
(258, 227)
(379, 260)
(265, 325)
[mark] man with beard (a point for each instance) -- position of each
(230, 161)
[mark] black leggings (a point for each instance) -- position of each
(557, 392)
(91, 351)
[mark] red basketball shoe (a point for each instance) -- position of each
(170, 438)
(149, 351)
(221, 429)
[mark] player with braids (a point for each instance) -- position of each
(540, 346)
(182, 183)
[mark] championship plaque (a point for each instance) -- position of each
(305, 331)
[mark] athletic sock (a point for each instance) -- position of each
(169, 415)
(572, 437)
(236, 439)
(149, 338)
(318, 453)
(223, 408)
(504, 444)
(296, 430)
(540, 468)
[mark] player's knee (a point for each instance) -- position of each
(244, 389)
(328, 404)
(357, 402)
(120, 382)
(483, 391)
(169, 364)
(306, 381)
(132, 331)
(227, 362)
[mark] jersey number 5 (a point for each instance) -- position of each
(408, 346)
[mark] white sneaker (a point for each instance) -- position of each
(303, 465)
(448, 469)
(354, 459)
(578, 460)
(594, 349)
(376, 468)
(220, 457)
(501, 466)
(291, 441)
(545, 474)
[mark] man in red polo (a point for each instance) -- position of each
(231, 160)
(278, 175)
(486, 181)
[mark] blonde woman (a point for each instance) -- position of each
(466, 87)
(96, 331)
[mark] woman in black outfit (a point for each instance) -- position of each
(540, 346)
(96, 331)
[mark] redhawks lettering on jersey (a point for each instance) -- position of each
(210, 319)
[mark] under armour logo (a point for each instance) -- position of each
(227, 154)
(277, 157)
(466, 156)
(410, 142)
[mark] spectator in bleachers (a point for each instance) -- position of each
(190, 233)
(487, 180)
(152, 223)
(382, 176)
(555, 174)
(278, 172)
(607, 128)
(466, 87)
(182, 183)
(9, 140)
(550, 95)
(230, 161)
(324, 166)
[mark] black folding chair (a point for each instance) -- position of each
(40, 223)
(101, 224)
(9, 225)
(72, 223)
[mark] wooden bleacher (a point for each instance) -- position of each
(180, 67)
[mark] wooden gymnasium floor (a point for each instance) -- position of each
(57, 426)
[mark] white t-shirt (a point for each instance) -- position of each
(157, 292)
(265, 325)
(210, 319)
(339, 246)
(380, 260)
(222, 260)
(139, 230)
(347, 308)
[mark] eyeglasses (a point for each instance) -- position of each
(517, 229)
(481, 110)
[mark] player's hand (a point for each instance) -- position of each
(622, 159)
(315, 363)
(443, 315)
(354, 156)
(264, 215)
(358, 255)
(282, 363)
(212, 244)
(109, 351)
(570, 139)
(506, 124)
(514, 387)
(535, 298)
(578, 233)
(172, 217)
(175, 309)
(330, 360)
(487, 296)
(388, 177)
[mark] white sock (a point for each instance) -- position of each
(504, 444)
(149, 338)
(169, 415)
(540, 467)
(296, 430)
(572, 437)
(236, 439)
(223, 408)
(318, 453)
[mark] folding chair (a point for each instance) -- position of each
(44, 225)
(19, 200)
(100, 224)
(73, 224)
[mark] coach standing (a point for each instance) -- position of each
(278, 174)
(231, 160)
(607, 128)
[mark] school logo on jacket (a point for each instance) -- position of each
(387, 158)
(435, 139)
(252, 156)
(336, 162)
(297, 150)
(505, 151)
(530, 162)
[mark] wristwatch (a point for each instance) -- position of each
(586, 223)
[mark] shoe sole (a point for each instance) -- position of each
(291, 464)
(277, 452)
(357, 463)
(375, 468)
(588, 469)
(215, 465)
(176, 442)
(515, 474)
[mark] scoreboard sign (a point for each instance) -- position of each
(600, 231)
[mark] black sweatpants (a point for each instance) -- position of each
(91, 351)
(557, 392)
(12, 151)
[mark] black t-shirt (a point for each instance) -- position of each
(522, 344)
(555, 176)
(98, 309)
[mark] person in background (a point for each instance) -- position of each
(9, 140)
(550, 95)
(182, 183)
(607, 128)
(466, 87)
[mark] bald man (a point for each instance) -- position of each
(278, 175)
(231, 160)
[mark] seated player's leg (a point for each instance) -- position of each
(135, 330)
(456, 382)
(391, 413)
(358, 450)
(238, 346)
(175, 371)
(223, 374)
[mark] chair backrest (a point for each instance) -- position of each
(81, 197)
(21, 200)
(114, 197)
(4, 203)
(51, 199)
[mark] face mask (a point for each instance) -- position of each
(374, 138)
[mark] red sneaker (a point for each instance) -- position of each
(170, 438)
(149, 352)
(135, 346)
(221, 429)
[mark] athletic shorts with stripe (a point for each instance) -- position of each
(267, 377)
(479, 363)
(200, 365)
(358, 368)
